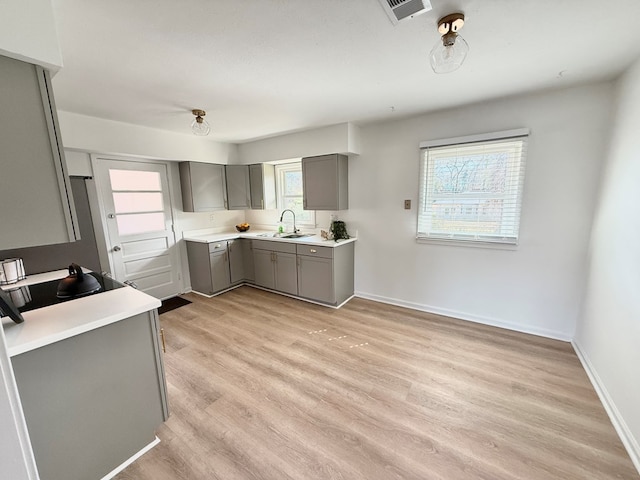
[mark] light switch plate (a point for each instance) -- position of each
(407, 204)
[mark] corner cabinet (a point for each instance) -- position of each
(94, 400)
(35, 192)
(325, 182)
(203, 186)
(237, 187)
(208, 267)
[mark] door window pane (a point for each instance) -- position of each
(133, 202)
(130, 224)
(135, 180)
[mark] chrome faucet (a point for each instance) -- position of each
(295, 230)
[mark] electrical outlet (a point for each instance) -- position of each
(407, 204)
(211, 218)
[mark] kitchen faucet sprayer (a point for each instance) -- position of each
(295, 230)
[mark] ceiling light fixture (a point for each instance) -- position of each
(200, 126)
(451, 50)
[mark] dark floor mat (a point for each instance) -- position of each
(172, 303)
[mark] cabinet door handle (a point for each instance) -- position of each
(313, 250)
(298, 260)
(164, 345)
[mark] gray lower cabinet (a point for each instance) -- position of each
(236, 260)
(325, 182)
(208, 267)
(325, 274)
(35, 191)
(247, 258)
(94, 400)
(275, 266)
(203, 187)
(262, 179)
(321, 274)
(264, 275)
(237, 187)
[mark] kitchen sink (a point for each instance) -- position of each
(286, 235)
(297, 235)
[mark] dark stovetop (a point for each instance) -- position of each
(41, 295)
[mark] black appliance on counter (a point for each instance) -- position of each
(39, 295)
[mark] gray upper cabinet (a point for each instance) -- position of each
(237, 187)
(35, 192)
(325, 181)
(203, 187)
(262, 178)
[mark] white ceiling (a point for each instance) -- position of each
(263, 67)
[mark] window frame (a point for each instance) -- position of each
(280, 170)
(513, 191)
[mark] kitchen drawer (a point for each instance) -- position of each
(217, 246)
(274, 246)
(313, 251)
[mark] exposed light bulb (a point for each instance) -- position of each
(447, 56)
(450, 51)
(200, 126)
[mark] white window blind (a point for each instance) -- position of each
(471, 190)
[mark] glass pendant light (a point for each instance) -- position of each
(450, 51)
(200, 126)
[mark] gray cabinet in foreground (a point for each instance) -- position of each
(35, 191)
(94, 400)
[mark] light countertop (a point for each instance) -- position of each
(57, 322)
(316, 240)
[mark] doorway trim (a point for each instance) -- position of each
(98, 211)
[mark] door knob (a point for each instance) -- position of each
(116, 248)
(111, 215)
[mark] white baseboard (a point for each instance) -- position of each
(542, 332)
(124, 465)
(628, 440)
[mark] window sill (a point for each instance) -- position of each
(468, 243)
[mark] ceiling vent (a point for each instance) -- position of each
(402, 9)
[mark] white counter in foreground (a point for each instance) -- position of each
(63, 320)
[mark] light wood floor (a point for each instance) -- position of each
(267, 387)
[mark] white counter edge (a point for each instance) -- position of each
(48, 325)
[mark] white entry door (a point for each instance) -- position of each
(139, 224)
